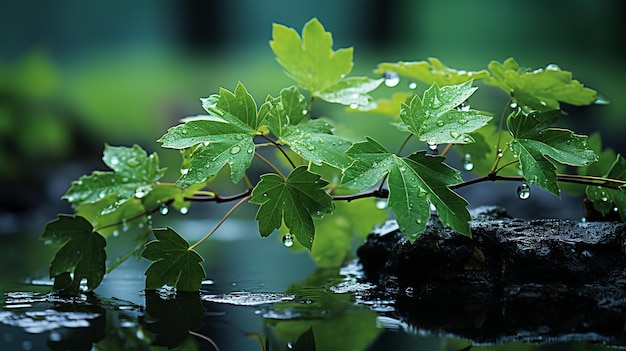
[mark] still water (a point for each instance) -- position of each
(258, 295)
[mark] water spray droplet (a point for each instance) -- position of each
(288, 240)
(392, 78)
(523, 191)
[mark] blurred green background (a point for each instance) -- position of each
(75, 75)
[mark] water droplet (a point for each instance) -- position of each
(310, 147)
(115, 160)
(124, 225)
(184, 210)
(500, 152)
(381, 204)
(288, 240)
(553, 67)
(206, 143)
(418, 221)
(142, 191)
(116, 232)
(392, 78)
(513, 105)
(468, 165)
(462, 121)
(604, 197)
(523, 191)
(239, 137)
(412, 85)
(184, 131)
(305, 111)
(132, 162)
(455, 135)
(464, 107)
(235, 150)
(436, 102)
(102, 194)
(440, 123)
(354, 105)
(163, 209)
(421, 192)
(184, 171)
(432, 145)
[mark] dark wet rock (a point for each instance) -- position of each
(513, 280)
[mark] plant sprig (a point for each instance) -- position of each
(313, 169)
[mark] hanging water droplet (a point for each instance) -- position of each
(432, 145)
(116, 232)
(464, 107)
(412, 85)
(381, 204)
(468, 165)
(354, 105)
(500, 152)
(553, 67)
(513, 105)
(433, 208)
(288, 240)
(124, 225)
(235, 150)
(142, 191)
(392, 78)
(523, 191)
(184, 210)
(163, 209)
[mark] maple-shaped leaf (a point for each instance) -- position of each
(540, 146)
(431, 72)
(606, 199)
(224, 137)
(81, 255)
(541, 89)
(436, 118)
(414, 182)
(133, 171)
(310, 60)
(293, 201)
(289, 108)
(173, 262)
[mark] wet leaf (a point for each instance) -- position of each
(436, 119)
(388, 107)
(431, 72)
(541, 89)
(414, 182)
(607, 199)
(310, 60)
(352, 92)
(225, 137)
(539, 147)
(133, 170)
(81, 255)
(290, 108)
(293, 201)
(173, 263)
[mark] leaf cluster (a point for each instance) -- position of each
(312, 172)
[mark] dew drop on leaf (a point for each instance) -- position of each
(392, 78)
(184, 210)
(288, 240)
(381, 204)
(513, 105)
(604, 197)
(235, 150)
(440, 123)
(523, 191)
(184, 171)
(421, 192)
(462, 121)
(455, 135)
(553, 67)
(436, 102)
(142, 191)
(163, 209)
(354, 105)
(115, 160)
(468, 165)
(412, 85)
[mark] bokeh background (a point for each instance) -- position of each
(75, 75)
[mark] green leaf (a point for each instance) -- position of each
(431, 72)
(606, 199)
(290, 108)
(226, 137)
(541, 89)
(134, 172)
(293, 201)
(539, 147)
(436, 117)
(81, 255)
(315, 142)
(352, 92)
(174, 263)
(310, 60)
(414, 182)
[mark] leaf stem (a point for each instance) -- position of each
(447, 149)
(219, 224)
(271, 165)
(379, 193)
(281, 151)
(497, 160)
(404, 144)
(132, 218)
